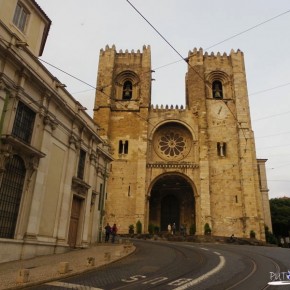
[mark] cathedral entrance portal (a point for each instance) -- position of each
(172, 201)
(169, 211)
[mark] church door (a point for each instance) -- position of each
(74, 222)
(169, 212)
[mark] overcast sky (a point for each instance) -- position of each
(81, 28)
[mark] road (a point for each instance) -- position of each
(178, 266)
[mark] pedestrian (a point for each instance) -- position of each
(107, 232)
(169, 228)
(114, 231)
(173, 228)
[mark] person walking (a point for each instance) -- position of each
(107, 232)
(169, 229)
(173, 228)
(114, 232)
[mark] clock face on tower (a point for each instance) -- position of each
(219, 110)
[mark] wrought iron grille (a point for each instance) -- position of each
(10, 195)
(23, 123)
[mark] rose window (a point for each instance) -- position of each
(172, 143)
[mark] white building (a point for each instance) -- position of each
(53, 164)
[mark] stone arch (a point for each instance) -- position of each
(172, 200)
(172, 141)
(127, 81)
(223, 79)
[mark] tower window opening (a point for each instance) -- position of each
(221, 149)
(126, 145)
(123, 147)
(217, 90)
(127, 90)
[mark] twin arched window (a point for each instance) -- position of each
(217, 90)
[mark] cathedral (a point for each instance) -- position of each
(192, 165)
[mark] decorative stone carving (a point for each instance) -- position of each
(172, 142)
(49, 121)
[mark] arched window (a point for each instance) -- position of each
(127, 90)
(10, 195)
(217, 90)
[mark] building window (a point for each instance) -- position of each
(217, 90)
(20, 17)
(81, 166)
(221, 149)
(23, 123)
(127, 90)
(123, 147)
(10, 195)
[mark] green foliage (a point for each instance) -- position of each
(151, 229)
(252, 234)
(207, 229)
(139, 227)
(156, 229)
(131, 229)
(270, 238)
(280, 213)
(192, 230)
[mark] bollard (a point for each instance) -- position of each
(63, 267)
(107, 256)
(23, 276)
(91, 261)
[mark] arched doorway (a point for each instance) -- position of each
(172, 201)
(170, 212)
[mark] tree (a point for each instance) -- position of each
(280, 213)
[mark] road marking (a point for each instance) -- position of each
(155, 280)
(72, 286)
(133, 278)
(203, 277)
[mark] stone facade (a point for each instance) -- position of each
(53, 164)
(187, 165)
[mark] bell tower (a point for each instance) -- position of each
(216, 89)
(122, 104)
(123, 84)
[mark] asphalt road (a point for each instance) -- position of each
(178, 266)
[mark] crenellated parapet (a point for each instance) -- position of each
(128, 56)
(163, 108)
(197, 56)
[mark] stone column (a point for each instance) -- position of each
(91, 181)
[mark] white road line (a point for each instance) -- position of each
(71, 286)
(205, 276)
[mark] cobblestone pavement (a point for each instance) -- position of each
(47, 268)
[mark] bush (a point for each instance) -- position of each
(270, 238)
(207, 229)
(139, 227)
(252, 234)
(156, 229)
(131, 229)
(151, 229)
(192, 230)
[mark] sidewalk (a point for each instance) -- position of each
(47, 268)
